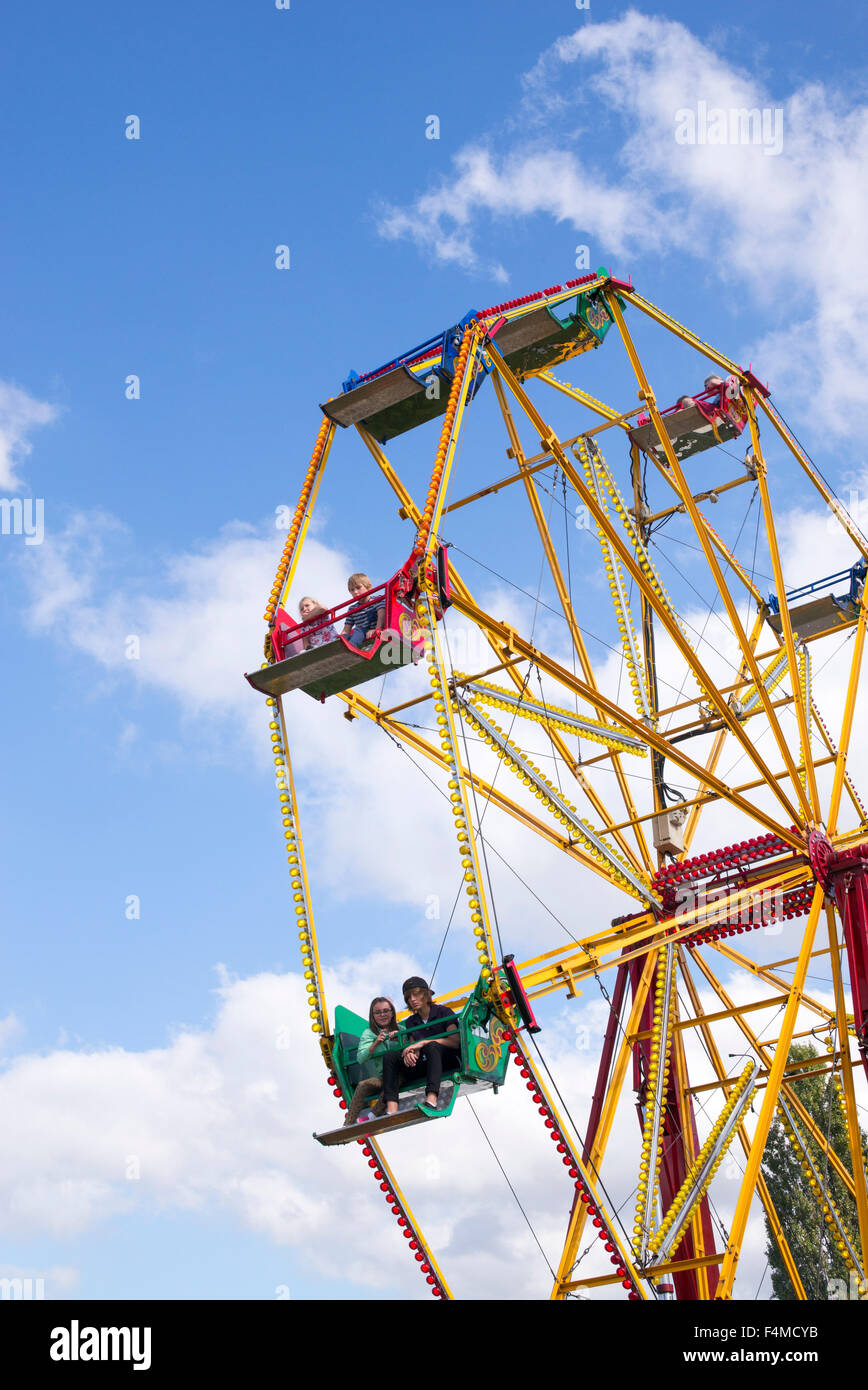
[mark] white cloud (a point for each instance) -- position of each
(549, 181)
(20, 414)
(209, 1118)
(788, 228)
(199, 631)
(198, 634)
(10, 1027)
(220, 1119)
(196, 637)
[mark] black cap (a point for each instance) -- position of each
(414, 982)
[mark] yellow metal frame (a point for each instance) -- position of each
(794, 787)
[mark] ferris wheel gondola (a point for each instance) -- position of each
(331, 667)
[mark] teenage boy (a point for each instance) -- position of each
(424, 1056)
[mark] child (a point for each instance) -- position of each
(310, 609)
(362, 619)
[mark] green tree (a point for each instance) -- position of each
(811, 1240)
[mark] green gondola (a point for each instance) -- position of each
(483, 1061)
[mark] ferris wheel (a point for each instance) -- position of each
(800, 860)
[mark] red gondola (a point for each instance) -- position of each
(337, 665)
(696, 422)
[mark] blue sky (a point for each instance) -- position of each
(155, 257)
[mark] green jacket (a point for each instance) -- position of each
(372, 1065)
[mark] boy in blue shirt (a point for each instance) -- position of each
(362, 619)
